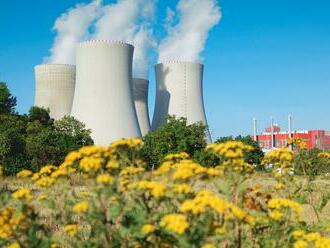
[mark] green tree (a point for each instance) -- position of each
(12, 143)
(50, 144)
(173, 137)
(71, 127)
(7, 101)
(41, 115)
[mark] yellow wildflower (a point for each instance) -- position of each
(182, 188)
(175, 223)
(278, 186)
(300, 244)
(14, 245)
(278, 203)
(104, 179)
(22, 194)
(113, 164)
(148, 228)
(24, 174)
(41, 197)
(45, 182)
(276, 215)
(88, 164)
(61, 172)
(175, 157)
(220, 230)
(81, 207)
(208, 246)
(47, 170)
(131, 171)
(156, 189)
(71, 229)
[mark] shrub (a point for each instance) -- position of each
(173, 137)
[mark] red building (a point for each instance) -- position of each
(313, 138)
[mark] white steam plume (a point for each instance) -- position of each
(72, 27)
(129, 21)
(186, 39)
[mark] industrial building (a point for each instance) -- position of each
(54, 88)
(140, 92)
(103, 98)
(179, 92)
(101, 92)
(273, 138)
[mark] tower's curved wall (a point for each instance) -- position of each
(140, 92)
(180, 93)
(103, 98)
(54, 88)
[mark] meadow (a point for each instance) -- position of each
(106, 197)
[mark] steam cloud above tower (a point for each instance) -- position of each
(132, 21)
(186, 38)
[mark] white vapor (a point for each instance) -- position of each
(186, 39)
(72, 27)
(129, 21)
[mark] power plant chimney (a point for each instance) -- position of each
(103, 98)
(54, 88)
(272, 142)
(180, 93)
(255, 130)
(140, 92)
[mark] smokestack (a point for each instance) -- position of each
(140, 92)
(180, 93)
(255, 131)
(54, 89)
(103, 97)
(272, 143)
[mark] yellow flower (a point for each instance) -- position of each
(55, 246)
(208, 246)
(45, 182)
(300, 244)
(88, 164)
(148, 228)
(81, 207)
(47, 170)
(84, 194)
(35, 176)
(71, 229)
(131, 171)
(278, 186)
(41, 197)
(14, 245)
(104, 179)
(182, 189)
(298, 233)
(24, 174)
(278, 203)
(220, 230)
(113, 164)
(22, 194)
(178, 156)
(60, 172)
(276, 215)
(156, 189)
(175, 223)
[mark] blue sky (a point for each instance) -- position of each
(264, 58)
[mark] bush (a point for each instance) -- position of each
(173, 137)
(311, 163)
(255, 156)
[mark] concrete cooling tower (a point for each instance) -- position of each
(103, 98)
(140, 92)
(55, 85)
(180, 93)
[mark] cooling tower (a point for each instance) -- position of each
(140, 92)
(103, 98)
(180, 93)
(55, 86)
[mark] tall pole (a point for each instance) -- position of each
(255, 131)
(272, 132)
(290, 129)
